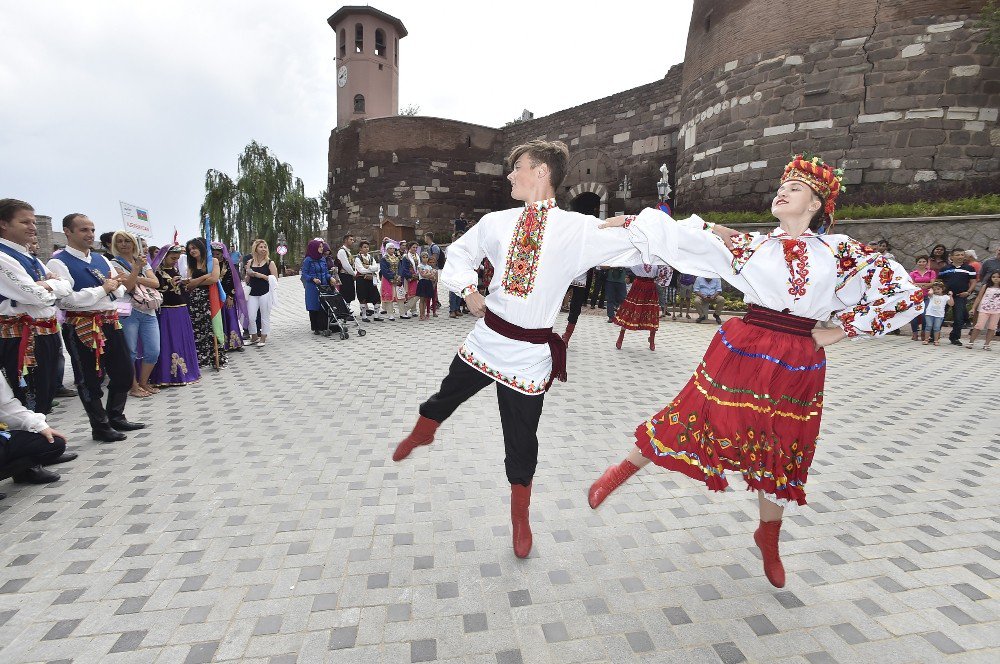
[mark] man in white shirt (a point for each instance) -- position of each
(537, 250)
(94, 331)
(30, 347)
(345, 269)
(27, 442)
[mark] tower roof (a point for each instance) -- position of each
(349, 10)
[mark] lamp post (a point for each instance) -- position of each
(663, 188)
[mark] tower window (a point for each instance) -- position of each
(395, 52)
(380, 42)
(343, 42)
(708, 21)
(359, 38)
(359, 103)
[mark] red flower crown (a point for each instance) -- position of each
(822, 178)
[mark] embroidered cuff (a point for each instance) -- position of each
(468, 290)
(628, 221)
(707, 226)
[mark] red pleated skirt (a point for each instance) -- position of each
(641, 308)
(753, 405)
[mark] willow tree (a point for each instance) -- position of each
(264, 200)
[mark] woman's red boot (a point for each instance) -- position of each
(422, 434)
(652, 340)
(612, 478)
(621, 338)
(766, 537)
(520, 498)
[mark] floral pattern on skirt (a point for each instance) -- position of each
(201, 321)
(753, 405)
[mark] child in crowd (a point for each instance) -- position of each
(923, 276)
(987, 306)
(435, 302)
(934, 312)
(425, 285)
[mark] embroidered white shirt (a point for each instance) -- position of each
(18, 286)
(92, 298)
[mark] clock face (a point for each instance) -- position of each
(342, 76)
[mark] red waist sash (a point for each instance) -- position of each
(779, 321)
(533, 336)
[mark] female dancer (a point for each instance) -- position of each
(178, 361)
(234, 309)
(210, 352)
(641, 308)
(389, 269)
(754, 403)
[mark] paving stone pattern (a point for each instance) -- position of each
(261, 519)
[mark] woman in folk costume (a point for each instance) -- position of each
(641, 308)
(316, 273)
(210, 352)
(754, 403)
(178, 361)
(234, 309)
(366, 272)
(389, 268)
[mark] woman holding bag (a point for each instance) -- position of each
(139, 325)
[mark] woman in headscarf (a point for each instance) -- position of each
(142, 332)
(201, 280)
(234, 309)
(389, 269)
(316, 273)
(178, 362)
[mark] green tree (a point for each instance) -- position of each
(990, 19)
(265, 199)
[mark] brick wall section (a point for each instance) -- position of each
(739, 28)
(415, 168)
(912, 103)
(629, 133)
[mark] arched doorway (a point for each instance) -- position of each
(587, 203)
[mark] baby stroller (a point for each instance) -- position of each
(338, 313)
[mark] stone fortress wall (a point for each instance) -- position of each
(903, 95)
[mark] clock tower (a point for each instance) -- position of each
(367, 63)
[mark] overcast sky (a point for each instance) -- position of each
(105, 101)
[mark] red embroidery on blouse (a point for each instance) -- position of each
(628, 221)
(798, 272)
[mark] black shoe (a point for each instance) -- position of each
(36, 475)
(2, 496)
(107, 435)
(65, 392)
(125, 425)
(718, 320)
(699, 319)
(65, 457)
(955, 342)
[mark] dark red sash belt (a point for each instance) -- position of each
(536, 336)
(779, 321)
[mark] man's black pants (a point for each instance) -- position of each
(960, 315)
(42, 379)
(578, 298)
(116, 362)
(347, 287)
(24, 449)
(600, 279)
(519, 415)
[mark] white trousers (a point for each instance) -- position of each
(261, 303)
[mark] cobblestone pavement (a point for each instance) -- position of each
(261, 519)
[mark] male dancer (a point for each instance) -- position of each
(538, 250)
(30, 347)
(94, 330)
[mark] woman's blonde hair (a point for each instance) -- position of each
(256, 243)
(131, 238)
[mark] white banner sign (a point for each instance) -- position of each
(136, 220)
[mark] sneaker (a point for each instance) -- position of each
(377, 317)
(699, 319)
(956, 342)
(718, 320)
(406, 315)
(365, 319)
(392, 318)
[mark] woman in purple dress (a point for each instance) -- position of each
(178, 363)
(234, 309)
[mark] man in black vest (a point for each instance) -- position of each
(29, 334)
(94, 331)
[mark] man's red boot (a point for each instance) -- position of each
(568, 333)
(766, 537)
(612, 478)
(422, 434)
(520, 498)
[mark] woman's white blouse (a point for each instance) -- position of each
(813, 276)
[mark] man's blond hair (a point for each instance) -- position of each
(553, 154)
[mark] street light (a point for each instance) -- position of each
(282, 250)
(663, 186)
